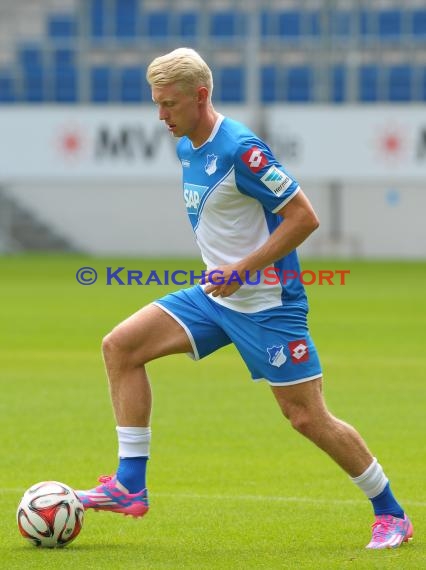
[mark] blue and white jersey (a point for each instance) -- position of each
(233, 186)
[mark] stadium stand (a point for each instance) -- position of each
(71, 51)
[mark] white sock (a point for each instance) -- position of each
(372, 481)
(133, 441)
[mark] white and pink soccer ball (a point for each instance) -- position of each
(50, 514)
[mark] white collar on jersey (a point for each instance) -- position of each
(212, 134)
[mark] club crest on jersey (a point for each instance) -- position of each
(254, 159)
(276, 180)
(276, 355)
(211, 164)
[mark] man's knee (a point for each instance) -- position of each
(110, 345)
(302, 421)
(115, 348)
(303, 405)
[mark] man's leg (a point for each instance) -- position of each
(148, 334)
(303, 404)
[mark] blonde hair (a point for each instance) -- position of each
(184, 66)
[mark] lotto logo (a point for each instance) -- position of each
(299, 351)
(255, 159)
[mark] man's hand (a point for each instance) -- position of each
(223, 281)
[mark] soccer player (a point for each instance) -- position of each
(247, 214)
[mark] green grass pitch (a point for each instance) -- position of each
(231, 484)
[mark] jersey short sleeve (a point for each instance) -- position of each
(258, 174)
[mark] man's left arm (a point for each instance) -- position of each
(300, 220)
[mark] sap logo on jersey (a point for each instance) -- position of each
(276, 180)
(192, 194)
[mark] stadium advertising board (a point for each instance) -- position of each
(319, 143)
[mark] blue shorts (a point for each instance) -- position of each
(275, 344)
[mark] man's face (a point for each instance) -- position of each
(179, 109)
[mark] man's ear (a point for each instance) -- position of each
(202, 94)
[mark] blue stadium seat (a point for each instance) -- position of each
(227, 24)
(423, 84)
(266, 23)
(313, 23)
(7, 87)
(97, 18)
(338, 84)
(296, 25)
(131, 84)
(65, 76)
(65, 85)
(367, 24)
(390, 24)
(400, 83)
(33, 77)
(30, 56)
(418, 24)
(231, 83)
(299, 84)
(340, 23)
(157, 24)
(188, 24)
(368, 83)
(126, 18)
(100, 80)
(64, 57)
(269, 84)
(290, 24)
(62, 26)
(33, 83)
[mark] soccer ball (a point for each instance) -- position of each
(50, 514)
